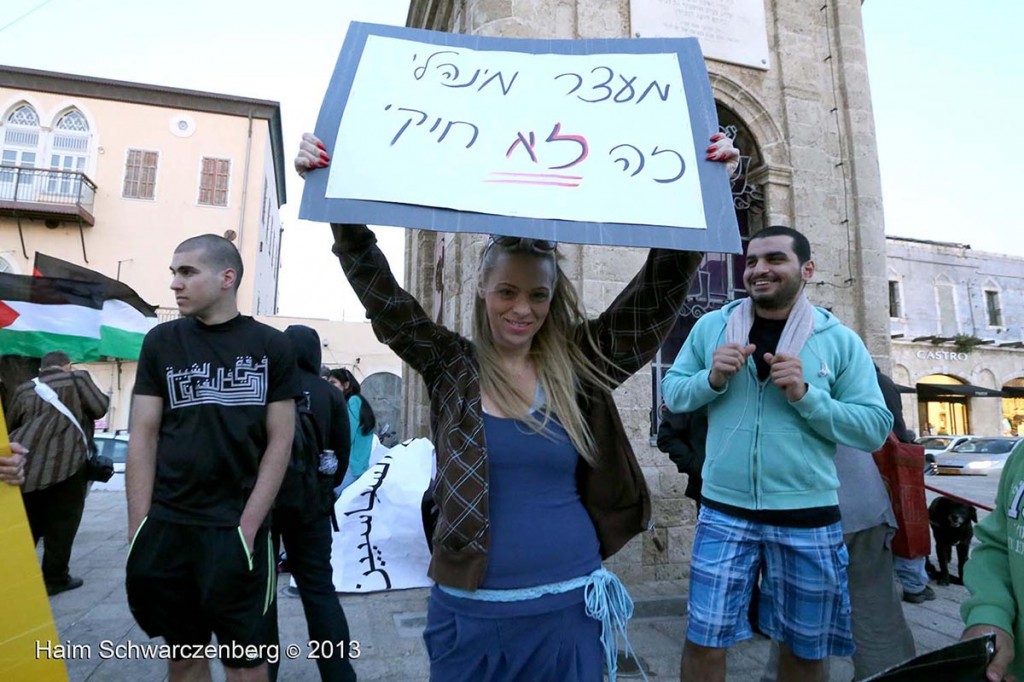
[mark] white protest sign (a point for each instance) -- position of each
(380, 545)
(602, 137)
(582, 141)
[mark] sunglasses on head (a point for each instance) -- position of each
(507, 242)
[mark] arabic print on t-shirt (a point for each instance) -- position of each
(243, 384)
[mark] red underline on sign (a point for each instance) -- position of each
(540, 175)
(549, 179)
(534, 182)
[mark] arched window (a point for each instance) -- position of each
(719, 279)
(74, 121)
(720, 276)
(20, 150)
(24, 115)
(68, 153)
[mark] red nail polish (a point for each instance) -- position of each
(710, 157)
(321, 145)
(323, 155)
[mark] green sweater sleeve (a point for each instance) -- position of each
(988, 575)
(853, 412)
(685, 387)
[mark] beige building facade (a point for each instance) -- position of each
(113, 175)
(957, 318)
(804, 123)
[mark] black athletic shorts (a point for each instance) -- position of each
(185, 582)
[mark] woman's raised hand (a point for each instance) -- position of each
(722, 149)
(312, 154)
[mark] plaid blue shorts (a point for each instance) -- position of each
(805, 602)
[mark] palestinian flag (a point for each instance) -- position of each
(43, 314)
(126, 317)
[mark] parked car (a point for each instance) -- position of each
(978, 455)
(937, 445)
(113, 444)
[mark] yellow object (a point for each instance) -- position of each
(27, 621)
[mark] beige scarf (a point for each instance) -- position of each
(799, 325)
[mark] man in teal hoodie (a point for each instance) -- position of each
(995, 576)
(784, 382)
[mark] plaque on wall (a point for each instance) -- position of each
(731, 31)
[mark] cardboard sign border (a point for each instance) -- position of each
(721, 235)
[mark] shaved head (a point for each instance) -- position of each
(217, 252)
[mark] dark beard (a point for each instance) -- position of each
(782, 299)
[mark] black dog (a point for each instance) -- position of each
(951, 525)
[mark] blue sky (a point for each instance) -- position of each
(946, 90)
(945, 78)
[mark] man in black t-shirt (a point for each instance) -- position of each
(211, 429)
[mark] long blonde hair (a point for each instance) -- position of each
(555, 352)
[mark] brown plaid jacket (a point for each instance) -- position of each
(629, 333)
(55, 447)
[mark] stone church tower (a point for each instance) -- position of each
(803, 121)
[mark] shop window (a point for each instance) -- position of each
(945, 416)
(1013, 408)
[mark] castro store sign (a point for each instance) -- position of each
(941, 355)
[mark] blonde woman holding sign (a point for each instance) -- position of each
(536, 480)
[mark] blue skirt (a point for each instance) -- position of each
(563, 645)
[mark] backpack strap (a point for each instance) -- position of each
(49, 395)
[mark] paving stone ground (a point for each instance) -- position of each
(387, 625)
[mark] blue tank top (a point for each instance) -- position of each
(540, 532)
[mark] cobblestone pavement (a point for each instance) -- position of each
(387, 625)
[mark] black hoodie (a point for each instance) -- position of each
(326, 400)
(891, 394)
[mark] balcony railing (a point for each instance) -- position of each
(167, 314)
(51, 194)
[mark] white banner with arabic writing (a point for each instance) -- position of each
(381, 545)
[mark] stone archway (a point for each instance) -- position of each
(383, 390)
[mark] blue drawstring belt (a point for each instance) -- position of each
(606, 599)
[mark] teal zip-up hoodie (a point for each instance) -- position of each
(995, 574)
(764, 452)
